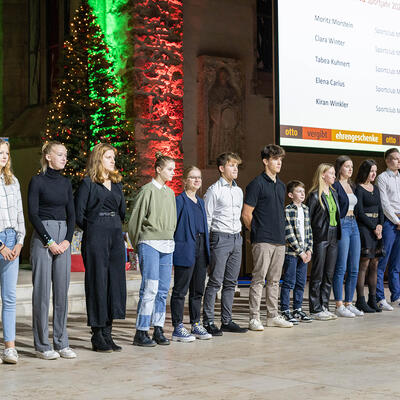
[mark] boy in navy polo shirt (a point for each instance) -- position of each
(264, 215)
(299, 244)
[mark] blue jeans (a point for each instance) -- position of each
(391, 242)
(348, 260)
(294, 277)
(156, 269)
(8, 282)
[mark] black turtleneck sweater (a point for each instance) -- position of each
(50, 198)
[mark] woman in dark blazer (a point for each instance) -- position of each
(324, 212)
(100, 210)
(191, 256)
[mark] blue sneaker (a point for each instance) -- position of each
(181, 334)
(200, 332)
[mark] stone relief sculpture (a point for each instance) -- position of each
(221, 104)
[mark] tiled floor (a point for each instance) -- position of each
(342, 359)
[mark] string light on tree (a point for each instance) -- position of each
(85, 108)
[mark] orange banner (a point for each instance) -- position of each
(356, 137)
(317, 133)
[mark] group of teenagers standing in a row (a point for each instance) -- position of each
(345, 227)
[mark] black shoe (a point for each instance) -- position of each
(109, 340)
(362, 305)
(301, 316)
(289, 317)
(372, 303)
(142, 339)
(233, 327)
(98, 342)
(159, 337)
(213, 330)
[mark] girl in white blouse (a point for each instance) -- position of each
(12, 234)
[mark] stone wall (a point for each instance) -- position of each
(226, 28)
(15, 59)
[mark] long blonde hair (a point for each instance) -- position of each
(7, 171)
(318, 181)
(46, 149)
(94, 167)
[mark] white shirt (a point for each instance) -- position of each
(389, 189)
(224, 204)
(300, 222)
(11, 213)
(352, 201)
(163, 246)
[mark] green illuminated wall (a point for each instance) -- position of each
(113, 25)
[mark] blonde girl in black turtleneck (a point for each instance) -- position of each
(52, 214)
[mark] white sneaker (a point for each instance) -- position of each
(66, 352)
(279, 322)
(355, 310)
(256, 325)
(321, 316)
(331, 315)
(47, 355)
(10, 356)
(383, 305)
(344, 312)
(396, 303)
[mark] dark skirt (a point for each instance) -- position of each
(370, 245)
(103, 253)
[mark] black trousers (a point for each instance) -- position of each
(193, 279)
(103, 253)
(322, 270)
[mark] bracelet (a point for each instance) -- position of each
(2, 246)
(50, 242)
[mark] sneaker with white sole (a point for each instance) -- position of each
(344, 312)
(256, 325)
(289, 317)
(395, 303)
(278, 322)
(47, 355)
(330, 314)
(66, 352)
(384, 305)
(199, 332)
(181, 334)
(301, 316)
(320, 316)
(9, 356)
(355, 310)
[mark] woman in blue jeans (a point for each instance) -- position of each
(12, 234)
(151, 230)
(349, 246)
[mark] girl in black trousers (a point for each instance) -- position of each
(325, 223)
(191, 257)
(100, 210)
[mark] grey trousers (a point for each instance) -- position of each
(50, 270)
(225, 261)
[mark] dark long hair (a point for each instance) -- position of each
(364, 170)
(338, 166)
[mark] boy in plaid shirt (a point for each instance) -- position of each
(299, 245)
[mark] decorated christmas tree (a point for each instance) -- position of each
(85, 109)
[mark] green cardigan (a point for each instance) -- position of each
(153, 215)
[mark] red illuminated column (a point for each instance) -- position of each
(157, 26)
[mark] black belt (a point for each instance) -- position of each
(108, 214)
